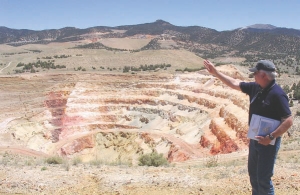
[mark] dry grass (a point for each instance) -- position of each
(88, 58)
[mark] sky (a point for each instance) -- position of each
(220, 15)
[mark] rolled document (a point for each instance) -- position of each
(209, 83)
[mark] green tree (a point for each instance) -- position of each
(286, 89)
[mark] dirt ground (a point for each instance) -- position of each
(226, 174)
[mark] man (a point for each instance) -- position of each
(269, 100)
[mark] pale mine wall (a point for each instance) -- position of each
(116, 118)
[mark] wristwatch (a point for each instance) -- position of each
(271, 136)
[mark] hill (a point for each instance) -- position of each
(256, 38)
(243, 46)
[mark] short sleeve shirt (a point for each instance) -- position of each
(271, 102)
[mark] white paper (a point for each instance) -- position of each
(262, 126)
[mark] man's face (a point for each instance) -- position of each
(258, 76)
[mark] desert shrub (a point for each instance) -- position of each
(291, 103)
(212, 161)
(76, 161)
(54, 160)
(43, 168)
(67, 166)
(96, 162)
(193, 69)
(152, 159)
(5, 159)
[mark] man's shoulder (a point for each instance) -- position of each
(278, 89)
(247, 83)
(244, 85)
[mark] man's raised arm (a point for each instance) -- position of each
(231, 82)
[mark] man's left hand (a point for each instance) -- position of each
(263, 140)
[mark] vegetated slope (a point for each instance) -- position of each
(204, 41)
(119, 117)
(94, 59)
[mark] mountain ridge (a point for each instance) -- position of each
(163, 22)
(256, 39)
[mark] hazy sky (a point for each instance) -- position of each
(216, 14)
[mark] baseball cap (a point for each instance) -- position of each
(263, 65)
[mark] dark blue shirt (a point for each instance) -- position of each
(271, 102)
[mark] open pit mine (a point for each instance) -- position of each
(115, 117)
